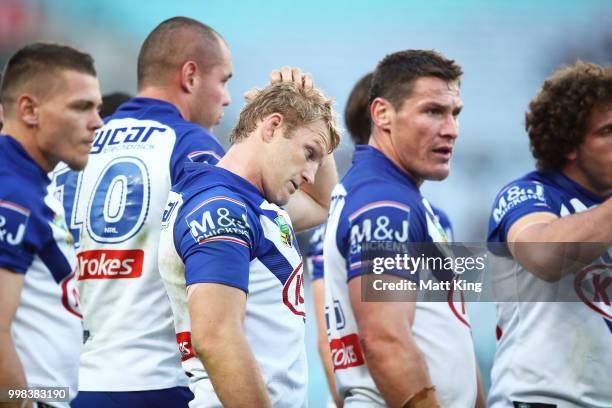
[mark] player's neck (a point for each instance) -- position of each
(27, 139)
(386, 149)
(241, 161)
(163, 95)
(573, 172)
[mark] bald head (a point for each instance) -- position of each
(171, 44)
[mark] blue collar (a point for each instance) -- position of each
(22, 160)
(570, 186)
(367, 153)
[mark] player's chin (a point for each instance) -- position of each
(78, 164)
(438, 173)
(280, 198)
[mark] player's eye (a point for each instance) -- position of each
(309, 153)
(606, 131)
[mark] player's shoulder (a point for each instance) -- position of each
(534, 189)
(19, 192)
(373, 192)
(205, 187)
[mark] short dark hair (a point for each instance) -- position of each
(357, 111)
(173, 42)
(33, 61)
(396, 73)
(111, 101)
(557, 116)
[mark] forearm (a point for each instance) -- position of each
(325, 355)
(565, 245)
(398, 368)
(594, 226)
(318, 297)
(325, 181)
(309, 206)
(481, 398)
(11, 371)
(231, 366)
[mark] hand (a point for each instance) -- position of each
(285, 74)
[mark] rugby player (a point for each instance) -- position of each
(226, 236)
(114, 208)
(357, 122)
(51, 99)
(541, 217)
(397, 354)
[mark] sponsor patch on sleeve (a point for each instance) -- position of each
(518, 195)
(13, 223)
(219, 218)
(381, 221)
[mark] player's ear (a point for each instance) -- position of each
(572, 156)
(269, 124)
(381, 112)
(188, 76)
(27, 109)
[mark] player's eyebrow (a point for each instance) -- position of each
(84, 104)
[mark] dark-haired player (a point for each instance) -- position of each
(51, 97)
(357, 122)
(397, 354)
(559, 354)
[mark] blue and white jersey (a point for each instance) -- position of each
(218, 228)
(376, 201)
(315, 243)
(114, 209)
(34, 240)
(315, 252)
(576, 369)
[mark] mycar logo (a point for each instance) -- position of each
(110, 264)
(593, 286)
(293, 291)
(346, 352)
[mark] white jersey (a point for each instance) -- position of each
(227, 233)
(550, 352)
(115, 209)
(47, 330)
(375, 201)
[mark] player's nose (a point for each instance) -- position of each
(450, 128)
(309, 172)
(96, 122)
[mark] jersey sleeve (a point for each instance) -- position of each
(515, 201)
(391, 221)
(194, 146)
(16, 233)
(315, 252)
(214, 240)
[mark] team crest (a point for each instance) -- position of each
(286, 234)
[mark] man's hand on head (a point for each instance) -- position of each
(284, 74)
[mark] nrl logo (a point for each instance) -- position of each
(286, 234)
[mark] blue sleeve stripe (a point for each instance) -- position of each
(197, 153)
(378, 204)
(226, 239)
(14, 207)
(215, 199)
